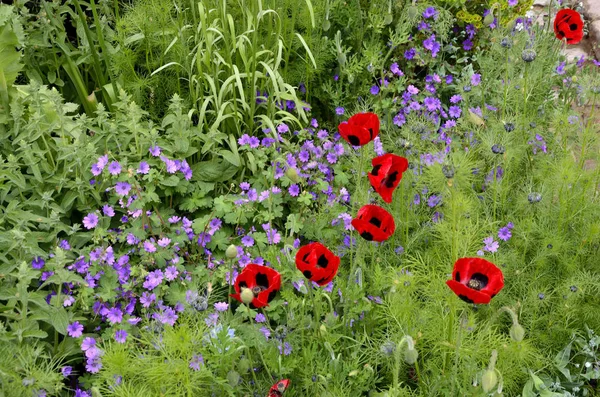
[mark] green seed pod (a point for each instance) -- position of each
(489, 380)
(231, 251)
(517, 332)
(246, 295)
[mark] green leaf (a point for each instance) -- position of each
(173, 180)
(213, 171)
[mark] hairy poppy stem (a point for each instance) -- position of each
(457, 350)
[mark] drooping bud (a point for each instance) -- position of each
(246, 295)
(489, 19)
(231, 251)
(326, 25)
(292, 174)
(244, 365)
(517, 332)
(233, 378)
(323, 330)
(410, 354)
(389, 18)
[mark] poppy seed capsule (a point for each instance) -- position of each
(528, 55)
(489, 19)
(534, 197)
(448, 171)
(506, 42)
(246, 295)
(231, 251)
(498, 149)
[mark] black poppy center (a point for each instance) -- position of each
(375, 221)
(371, 133)
(353, 139)
(478, 281)
(376, 169)
(367, 236)
(322, 261)
(262, 281)
(390, 179)
(573, 26)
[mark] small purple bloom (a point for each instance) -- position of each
(196, 361)
(66, 370)
(374, 90)
(114, 168)
(122, 188)
(38, 263)
(90, 220)
(121, 336)
(221, 306)
(260, 318)
(339, 110)
(490, 244)
(504, 233)
(155, 151)
(144, 168)
(75, 330)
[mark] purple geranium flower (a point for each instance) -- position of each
(121, 336)
(90, 220)
(75, 330)
(114, 168)
(155, 151)
(122, 188)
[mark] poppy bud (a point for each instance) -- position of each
(489, 19)
(448, 171)
(388, 19)
(517, 332)
(353, 372)
(498, 149)
(528, 55)
(326, 25)
(233, 378)
(489, 380)
(341, 58)
(411, 354)
(246, 295)
(323, 330)
(534, 197)
(231, 251)
(506, 42)
(244, 365)
(412, 11)
(292, 174)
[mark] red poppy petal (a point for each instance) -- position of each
(468, 294)
(568, 25)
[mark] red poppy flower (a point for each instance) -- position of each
(386, 174)
(373, 223)
(476, 280)
(278, 388)
(360, 129)
(568, 25)
(317, 263)
(263, 281)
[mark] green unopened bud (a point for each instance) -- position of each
(489, 380)
(341, 58)
(489, 19)
(326, 25)
(517, 332)
(389, 18)
(412, 11)
(292, 174)
(231, 251)
(246, 295)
